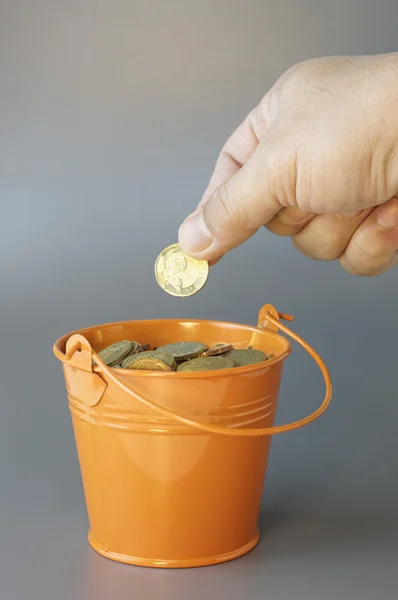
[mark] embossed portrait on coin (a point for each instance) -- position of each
(174, 266)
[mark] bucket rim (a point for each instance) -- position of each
(135, 374)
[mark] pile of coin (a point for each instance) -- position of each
(179, 356)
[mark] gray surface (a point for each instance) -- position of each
(111, 117)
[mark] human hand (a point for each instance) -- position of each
(316, 160)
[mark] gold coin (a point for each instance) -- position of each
(149, 364)
(148, 358)
(179, 274)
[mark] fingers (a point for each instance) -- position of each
(327, 236)
(289, 221)
(365, 242)
(249, 199)
(320, 237)
(239, 147)
(238, 199)
(373, 248)
(231, 216)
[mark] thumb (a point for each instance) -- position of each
(237, 209)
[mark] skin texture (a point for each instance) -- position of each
(316, 160)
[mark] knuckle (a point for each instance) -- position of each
(278, 167)
(299, 76)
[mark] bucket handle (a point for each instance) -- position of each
(266, 319)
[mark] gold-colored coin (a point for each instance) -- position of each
(179, 274)
(149, 364)
(149, 360)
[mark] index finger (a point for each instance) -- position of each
(239, 147)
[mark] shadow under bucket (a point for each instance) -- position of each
(173, 464)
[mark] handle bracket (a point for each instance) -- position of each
(81, 381)
(263, 322)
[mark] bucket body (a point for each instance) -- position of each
(159, 492)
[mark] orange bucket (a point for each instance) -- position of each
(173, 464)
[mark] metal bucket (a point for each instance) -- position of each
(173, 464)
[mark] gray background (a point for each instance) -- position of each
(111, 117)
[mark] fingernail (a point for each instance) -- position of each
(194, 235)
(388, 216)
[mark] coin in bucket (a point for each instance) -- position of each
(173, 420)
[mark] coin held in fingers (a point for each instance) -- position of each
(179, 274)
